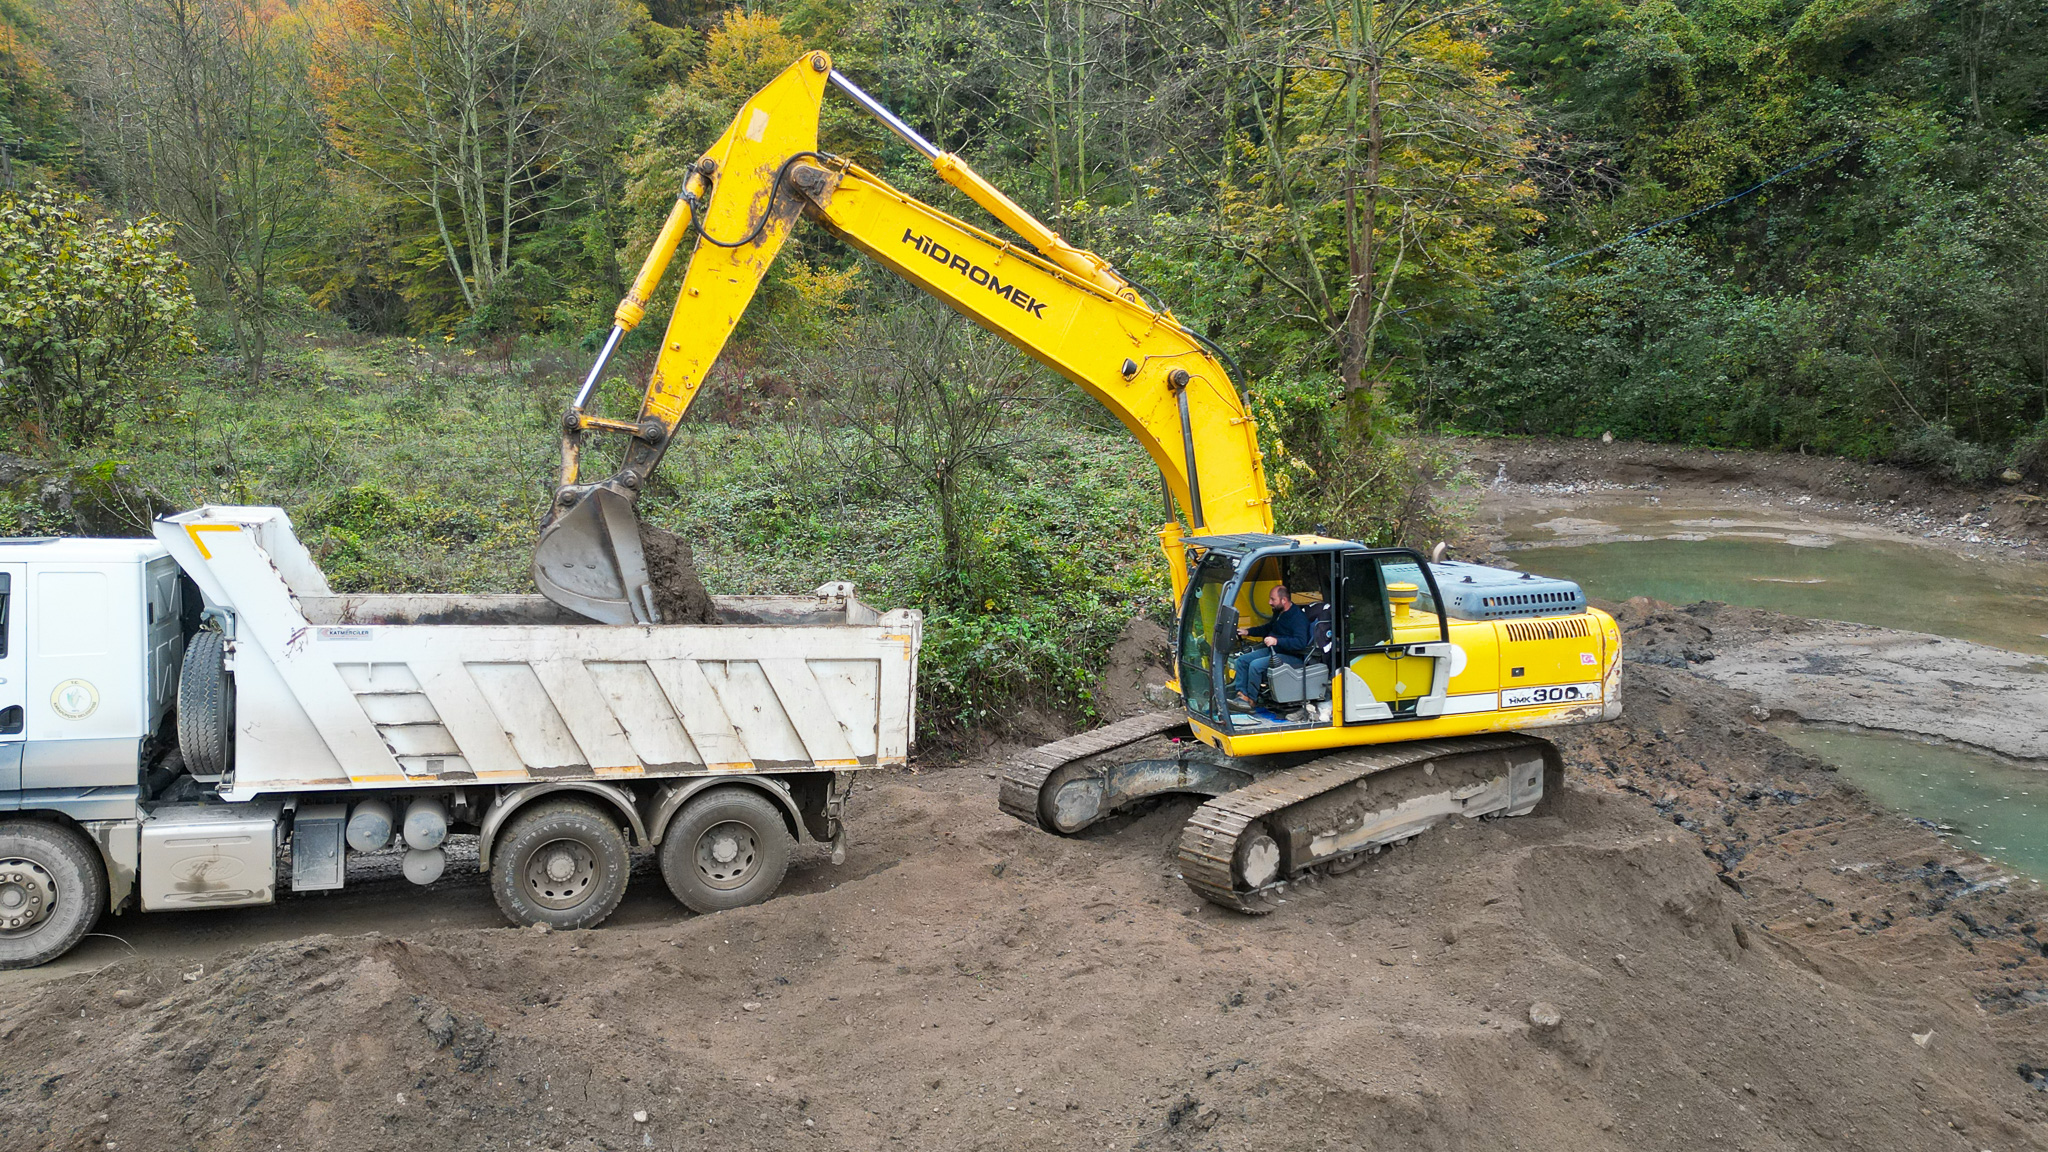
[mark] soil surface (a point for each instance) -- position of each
(1712, 942)
(1135, 674)
(679, 594)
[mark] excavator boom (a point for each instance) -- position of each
(1061, 305)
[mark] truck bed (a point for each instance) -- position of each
(343, 692)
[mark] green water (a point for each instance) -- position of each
(1995, 808)
(1919, 589)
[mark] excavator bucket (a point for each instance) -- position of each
(590, 560)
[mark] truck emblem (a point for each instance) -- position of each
(75, 699)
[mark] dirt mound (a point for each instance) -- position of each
(1711, 942)
(679, 593)
(1135, 674)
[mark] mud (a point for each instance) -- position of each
(679, 593)
(1712, 943)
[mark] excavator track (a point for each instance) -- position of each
(1024, 780)
(1243, 849)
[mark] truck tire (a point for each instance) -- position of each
(206, 706)
(53, 887)
(561, 863)
(727, 848)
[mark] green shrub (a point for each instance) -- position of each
(89, 310)
(2030, 455)
(1933, 448)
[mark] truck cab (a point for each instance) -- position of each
(91, 633)
(91, 636)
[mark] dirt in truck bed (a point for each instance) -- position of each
(1713, 943)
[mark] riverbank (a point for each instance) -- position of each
(1522, 477)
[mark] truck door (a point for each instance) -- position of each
(13, 690)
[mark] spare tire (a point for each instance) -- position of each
(206, 706)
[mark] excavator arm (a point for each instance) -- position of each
(1065, 307)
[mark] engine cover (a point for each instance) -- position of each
(1478, 592)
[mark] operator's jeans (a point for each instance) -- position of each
(1251, 669)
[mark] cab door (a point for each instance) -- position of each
(1391, 648)
(13, 689)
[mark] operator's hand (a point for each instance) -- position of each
(1244, 631)
(1271, 641)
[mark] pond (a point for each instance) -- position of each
(1788, 564)
(1984, 803)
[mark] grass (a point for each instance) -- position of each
(410, 466)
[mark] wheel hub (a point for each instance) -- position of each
(26, 894)
(560, 874)
(727, 854)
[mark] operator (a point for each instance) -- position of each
(1286, 640)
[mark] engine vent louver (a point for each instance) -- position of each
(1477, 592)
(1521, 630)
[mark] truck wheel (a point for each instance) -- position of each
(728, 848)
(206, 702)
(53, 887)
(561, 863)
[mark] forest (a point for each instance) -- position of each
(1814, 226)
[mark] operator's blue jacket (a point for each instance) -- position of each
(1289, 631)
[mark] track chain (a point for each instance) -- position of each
(1029, 772)
(1209, 840)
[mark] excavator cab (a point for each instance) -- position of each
(1375, 637)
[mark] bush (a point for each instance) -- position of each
(1933, 448)
(1347, 466)
(2030, 455)
(89, 309)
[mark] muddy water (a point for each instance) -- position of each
(1787, 563)
(1986, 804)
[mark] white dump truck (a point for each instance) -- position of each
(191, 721)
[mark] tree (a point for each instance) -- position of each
(483, 115)
(89, 308)
(196, 110)
(932, 403)
(1389, 159)
(35, 116)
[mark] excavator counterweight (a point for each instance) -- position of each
(1400, 708)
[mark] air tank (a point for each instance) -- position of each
(426, 823)
(424, 865)
(369, 826)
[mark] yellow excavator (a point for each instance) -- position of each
(1418, 674)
